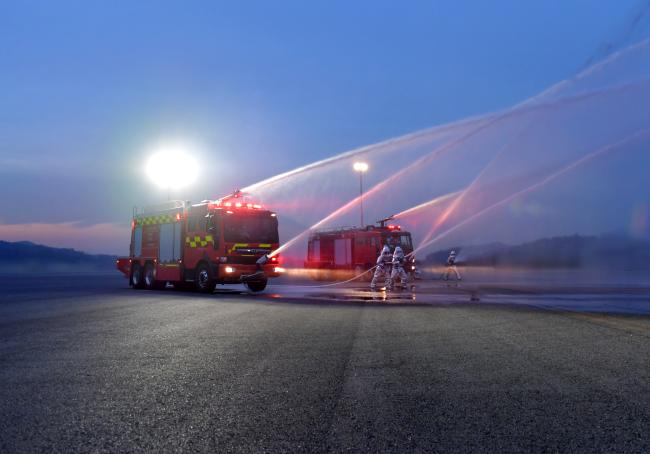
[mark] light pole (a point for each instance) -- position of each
(361, 168)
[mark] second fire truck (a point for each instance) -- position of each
(350, 251)
(226, 241)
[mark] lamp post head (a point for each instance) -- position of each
(360, 167)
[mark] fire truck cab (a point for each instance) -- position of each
(201, 245)
(349, 251)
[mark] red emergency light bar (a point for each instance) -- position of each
(250, 206)
(237, 199)
(394, 227)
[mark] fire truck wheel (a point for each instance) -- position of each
(149, 277)
(203, 280)
(256, 286)
(136, 276)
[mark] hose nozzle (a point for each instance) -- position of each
(262, 261)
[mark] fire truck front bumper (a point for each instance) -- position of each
(123, 264)
(248, 273)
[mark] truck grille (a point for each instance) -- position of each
(243, 259)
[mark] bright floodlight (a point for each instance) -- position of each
(172, 168)
(360, 166)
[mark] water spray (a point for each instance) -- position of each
(466, 130)
(459, 199)
(477, 121)
(428, 204)
(628, 29)
(438, 151)
(604, 150)
(419, 136)
(555, 88)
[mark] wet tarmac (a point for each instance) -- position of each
(568, 293)
(89, 365)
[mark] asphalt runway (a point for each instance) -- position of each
(88, 364)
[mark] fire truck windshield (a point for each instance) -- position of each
(249, 228)
(399, 239)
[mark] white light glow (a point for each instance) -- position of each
(172, 167)
(360, 166)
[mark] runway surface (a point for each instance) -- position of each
(88, 364)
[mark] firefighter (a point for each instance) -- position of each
(451, 266)
(382, 270)
(398, 269)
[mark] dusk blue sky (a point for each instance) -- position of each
(87, 88)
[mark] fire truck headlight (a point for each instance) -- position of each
(230, 269)
(279, 269)
(413, 267)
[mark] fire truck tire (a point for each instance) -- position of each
(203, 280)
(150, 277)
(136, 276)
(256, 286)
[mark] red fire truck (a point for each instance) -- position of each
(226, 241)
(349, 251)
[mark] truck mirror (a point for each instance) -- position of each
(208, 221)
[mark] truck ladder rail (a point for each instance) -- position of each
(171, 205)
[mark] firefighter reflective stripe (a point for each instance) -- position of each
(265, 245)
(198, 241)
(153, 220)
(237, 245)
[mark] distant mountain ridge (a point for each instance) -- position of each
(25, 256)
(576, 251)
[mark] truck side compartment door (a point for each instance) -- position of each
(166, 247)
(315, 251)
(342, 251)
(137, 241)
(169, 252)
(178, 241)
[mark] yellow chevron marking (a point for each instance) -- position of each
(154, 220)
(237, 245)
(197, 241)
